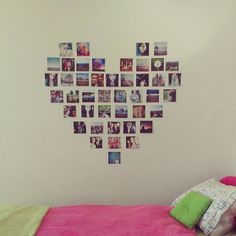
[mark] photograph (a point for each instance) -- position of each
(97, 80)
(82, 64)
(83, 49)
(160, 48)
(142, 80)
(142, 49)
(88, 96)
(87, 111)
(113, 127)
(69, 111)
(112, 80)
(169, 95)
(98, 64)
(51, 79)
(157, 64)
(114, 158)
(56, 96)
(132, 142)
(127, 80)
(67, 79)
(65, 49)
(172, 65)
(114, 142)
(136, 96)
(174, 79)
(126, 64)
(121, 111)
(145, 127)
(104, 111)
(68, 64)
(158, 79)
(142, 64)
(97, 128)
(104, 95)
(96, 142)
(72, 97)
(156, 111)
(53, 64)
(79, 127)
(152, 95)
(138, 111)
(129, 127)
(120, 96)
(82, 79)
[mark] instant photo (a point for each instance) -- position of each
(53, 64)
(82, 64)
(156, 111)
(104, 111)
(172, 66)
(114, 158)
(82, 79)
(65, 49)
(132, 142)
(138, 111)
(152, 95)
(120, 96)
(51, 79)
(146, 127)
(136, 96)
(69, 111)
(98, 64)
(97, 80)
(104, 95)
(174, 79)
(97, 128)
(127, 80)
(96, 142)
(157, 64)
(160, 48)
(112, 80)
(88, 96)
(56, 96)
(68, 64)
(126, 64)
(169, 95)
(113, 127)
(83, 49)
(72, 97)
(121, 111)
(158, 79)
(142, 64)
(114, 142)
(79, 127)
(87, 111)
(129, 127)
(67, 79)
(142, 49)
(142, 80)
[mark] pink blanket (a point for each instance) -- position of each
(93, 220)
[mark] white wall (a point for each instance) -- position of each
(43, 162)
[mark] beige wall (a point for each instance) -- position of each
(42, 162)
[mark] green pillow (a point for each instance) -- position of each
(191, 208)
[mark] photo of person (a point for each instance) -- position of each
(129, 127)
(96, 142)
(158, 79)
(65, 49)
(120, 96)
(98, 64)
(97, 80)
(145, 127)
(97, 128)
(53, 64)
(104, 111)
(69, 111)
(83, 49)
(112, 80)
(68, 64)
(127, 80)
(114, 158)
(87, 111)
(152, 95)
(126, 64)
(142, 80)
(142, 49)
(160, 48)
(113, 127)
(82, 64)
(67, 79)
(172, 66)
(174, 79)
(72, 97)
(79, 127)
(82, 79)
(88, 96)
(157, 64)
(138, 111)
(169, 95)
(142, 64)
(132, 142)
(136, 96)
(51, 79)
(114, 142)
(56, 96)
(156, 111)
(104, 95)
(121, 111)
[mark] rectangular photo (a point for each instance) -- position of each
(51, 79)
(157, 64)
(88, 96)
(53, 64)
(104, 95)
(82, 79)
(72, 97)
(127, 80)
(96, 142)
(146, 127)
(112, 80)
(121, 111)
(82, 64)
(113, 127)
(152, 95)
(142, 64)
(114, 158)
(126, 64)
(87, 111)
(98, 64)
(67, 79)
(69, 111)
(129, 127)
(132, 142)
(104, 111)
(142, 49)
(56, 96)
(156, 111)
(65, 49)
(172, 65)
(174, 79)
(160, 48)
(169, 95)
(142, 80)
(136, 96)
(120, 96)
(79, 127)
(97, 128)
(114, 142)
(83, 49)
(97, 80)
(138, 111)
(68, 64)
(158, 79)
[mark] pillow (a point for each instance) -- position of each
(223, 197)
(190, 209)
(229, 180)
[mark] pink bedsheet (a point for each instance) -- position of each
(93, 220)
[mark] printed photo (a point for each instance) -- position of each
(142, 64)
(79, 127)
(121, 111)
(114, 142)
(53, 63)
(65, 49)
(127, 80)
(97, 128)
(126, 64)
(142, 80)
(88, 96)
(160, 48)
(129, 127)
(104, 95)
(158, 79)
(156, 111)
(136, 96)
(96, 142)
(120, 96)
(56, 96)
(145, 127)
(157, 64)
(114, 158)
(72, 97)
(67, 79)
(113, 127)
(68, 64)
(104, 111)
(132, 142)
(172, 66)
(152, 95)
(83, 49)
(82, 64)
(87, 111)
(98, 64)
(174, 79)
(51, 79)
(69, 111)
(169, 95)
(112, 80)
(142, 49)
(82, 79)
(97, 80)
(138, 111)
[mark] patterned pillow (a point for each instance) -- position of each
(223, 197)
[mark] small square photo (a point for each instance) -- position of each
(56, 96)
(87, 111)
(67, 79)
(120, 96)
(157, 64)
(65, 49)
(83, 49)
(112, 80)
(114, 142)
(160, 48)
(169, 95)
(172, 65)
(72, 97)
(97, 80)
(138, 111)
(104, 111)
(113, 127)
(96, 142)
(142, 64)
(174, 79)
(127, 80)
(126, 64)
(146, 127)
(121, 111)
(51, 79)
(98, 64)
(142, 49)
(79, 127)
(136, 96)
(82, 79)
(68, 64)
(82, 64)
(104, 95)
(156, 111)
(114, 158)
(53, 64)
(69, 111)
(142, 80)
(152, 95)
(97, 128)
(129, 127)
(158, 79)
(132, 142)
(88, 96)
